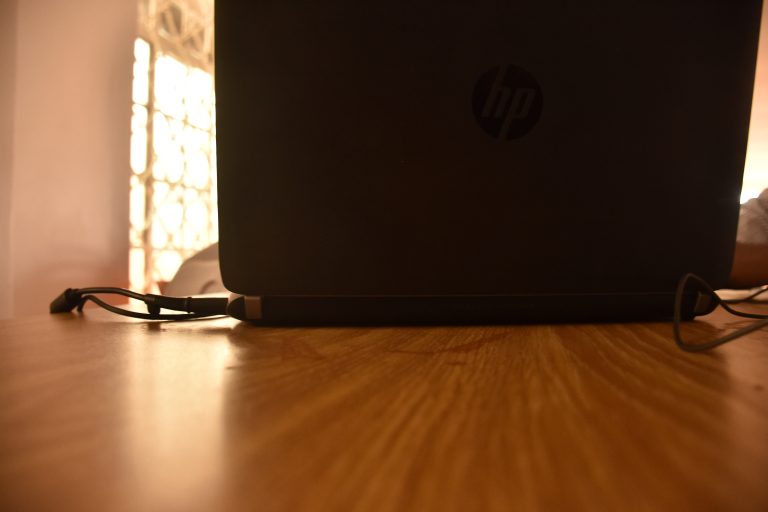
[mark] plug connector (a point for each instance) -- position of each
(66, 302)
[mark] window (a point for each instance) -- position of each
(173, 141)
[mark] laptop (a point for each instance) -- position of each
(473, 162)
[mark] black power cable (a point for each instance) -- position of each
(194, 307)
(705, 288)
(207, 307)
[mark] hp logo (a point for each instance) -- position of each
(507, 102)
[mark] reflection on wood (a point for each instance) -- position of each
(99, 413)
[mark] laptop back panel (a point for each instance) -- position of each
(485, 148)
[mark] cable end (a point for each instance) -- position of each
(65, 302)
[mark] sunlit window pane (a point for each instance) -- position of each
(141, 53)
(170, 84)
(139, 139)
(169, 153)
(137, 268)
(138, 207)
(199, 98)
(173, 189)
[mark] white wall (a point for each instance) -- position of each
(7, 83)
(69, 210)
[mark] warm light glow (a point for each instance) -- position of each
(756, 167)
(136, 271)
(139, 139)
(141, 52)
(173, 190)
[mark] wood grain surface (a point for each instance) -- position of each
(100, 413)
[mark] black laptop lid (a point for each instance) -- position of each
(480, 148)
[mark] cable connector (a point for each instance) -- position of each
(194, 307)
(66, 302)
(197, 305)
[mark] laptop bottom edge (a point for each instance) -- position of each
(449, 310)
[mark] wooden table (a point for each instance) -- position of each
(101, 413)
